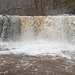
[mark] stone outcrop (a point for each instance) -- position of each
(10, 28)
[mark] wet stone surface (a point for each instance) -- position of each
(22, 64)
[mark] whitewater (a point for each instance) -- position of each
(41, 35)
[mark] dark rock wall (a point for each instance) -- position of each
(10, 28)
(37, 7)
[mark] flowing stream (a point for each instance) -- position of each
(37, 45)
(37, 35)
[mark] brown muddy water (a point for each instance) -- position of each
(34, 35)
(22, 64)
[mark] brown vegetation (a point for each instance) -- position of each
(37, 7)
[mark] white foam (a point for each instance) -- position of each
(38, 48)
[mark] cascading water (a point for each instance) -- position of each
(51, 28)
(38, 34)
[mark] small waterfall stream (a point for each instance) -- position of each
(37, 34)
(51, 28)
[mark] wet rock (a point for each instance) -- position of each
(2, 19)
(10, 28)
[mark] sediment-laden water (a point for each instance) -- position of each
(47, 41)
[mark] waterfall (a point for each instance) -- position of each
(37, 34)
(48, 28)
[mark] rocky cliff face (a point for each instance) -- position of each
(37, 7)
